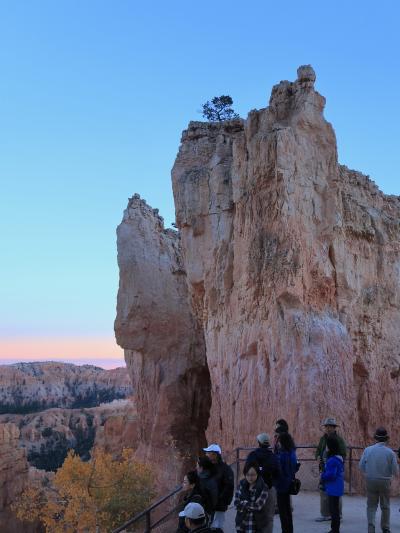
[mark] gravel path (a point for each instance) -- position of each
(306, 509)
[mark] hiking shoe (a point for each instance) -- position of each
(323, 519)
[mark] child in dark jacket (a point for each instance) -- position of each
(332, 479)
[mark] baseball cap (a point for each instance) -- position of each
(193, 510)
(329, 422)
(213, 448)
(263, 438)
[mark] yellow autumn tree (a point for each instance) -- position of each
(95, 496)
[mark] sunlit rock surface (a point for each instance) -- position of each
(287, 267)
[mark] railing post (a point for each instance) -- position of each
(148, 522)
(351, 470)
(237, 465)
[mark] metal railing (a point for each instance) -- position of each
(146, 515)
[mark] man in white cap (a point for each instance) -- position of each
(330, 430)
(226, 485)
(379, 464)
(195, 518)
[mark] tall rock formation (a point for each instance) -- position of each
(163, 342)
(14, 478)
(291, 265)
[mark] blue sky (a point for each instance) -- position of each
(94, 96)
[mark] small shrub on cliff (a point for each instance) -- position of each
(219, 109)
(89, 496)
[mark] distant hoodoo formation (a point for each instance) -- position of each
(279, 295)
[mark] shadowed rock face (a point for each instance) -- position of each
(291, 267)
(164, 346)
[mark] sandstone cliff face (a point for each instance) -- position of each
(14, 477)
(29, 387)
(291, 266)
(119, 429)
(164, 345)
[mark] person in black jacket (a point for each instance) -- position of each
(270, 472)
(226, 485)
(192, 493)
(208, 486)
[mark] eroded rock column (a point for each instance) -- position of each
(163, 342)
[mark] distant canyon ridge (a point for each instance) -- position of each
(30, 387)
(59, 406)
(278, 296)
(48, 408)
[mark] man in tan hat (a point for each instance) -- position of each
(329, 425)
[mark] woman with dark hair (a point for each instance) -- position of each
(286, 451)
(332, 479)
(281, 428)
(250, 500)
(191, 491)
(207, 485)
(281, 423)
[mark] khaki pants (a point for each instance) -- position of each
(324, 500)
(378, 491)
(218, 520)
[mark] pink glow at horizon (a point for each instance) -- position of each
(103, 352)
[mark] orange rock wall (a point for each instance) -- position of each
(281, 292)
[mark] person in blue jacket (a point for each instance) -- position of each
(332, 480)
(286, 451)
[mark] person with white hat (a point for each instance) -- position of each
(195, 518)
(226, 485)
(330, 430)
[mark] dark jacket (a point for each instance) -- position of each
(288, 462)
(243, 503)
(201, 529)
(333, 476)
(226, 485)
(208, 490)
(269, 464)
(193, 496)
(320, 452)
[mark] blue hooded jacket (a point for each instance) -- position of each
(288, 462)
(333, 476)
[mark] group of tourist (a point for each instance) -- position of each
(269, 481)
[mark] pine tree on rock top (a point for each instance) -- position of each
(219, 109)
